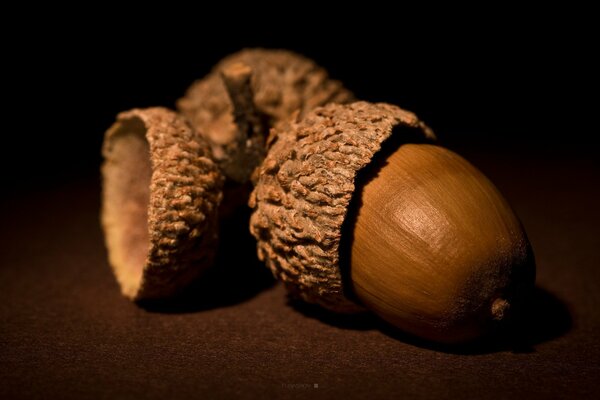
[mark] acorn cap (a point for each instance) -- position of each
(304, 189)
(249, 92)
(161, 192)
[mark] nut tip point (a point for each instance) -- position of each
(500, 308)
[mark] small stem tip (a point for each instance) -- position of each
(500, 309)
(243, 154)
(237, 80)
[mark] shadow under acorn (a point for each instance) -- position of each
(543, 318)
(236, 276)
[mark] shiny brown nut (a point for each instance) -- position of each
(430, 246)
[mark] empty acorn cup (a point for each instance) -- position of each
(160, 196)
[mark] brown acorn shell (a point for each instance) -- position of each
(268, 86)
(161, 192)
(304, 189)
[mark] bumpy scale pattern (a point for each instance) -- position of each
(282, 82)
(185, 192)
(304, 189)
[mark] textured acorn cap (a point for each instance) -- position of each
(249, 92)
(304, 189)
(160, 197)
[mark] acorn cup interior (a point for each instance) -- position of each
(127, 201)
(431, 246)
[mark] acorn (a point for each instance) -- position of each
(160, 197)
(164, 174)
(356, 208)
(246, 94)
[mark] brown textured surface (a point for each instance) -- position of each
(281, 82)
(184, 194)
(66, 332)
(304, 189)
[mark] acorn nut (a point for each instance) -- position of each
(160, 196)
(350, 213)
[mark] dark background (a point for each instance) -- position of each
(511, 79)
(513, 90)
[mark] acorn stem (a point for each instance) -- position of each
(247, 151)
(237, 79)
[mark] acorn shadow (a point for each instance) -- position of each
(364, 321)
(544, 318)
(236, 276)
